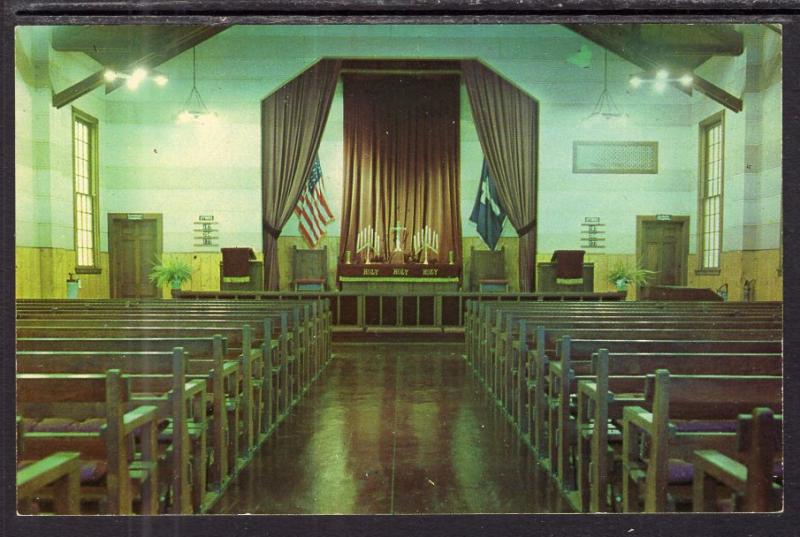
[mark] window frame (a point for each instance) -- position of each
(78, 116)
(703, 128)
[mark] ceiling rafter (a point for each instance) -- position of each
(622, 42)
(150, 60)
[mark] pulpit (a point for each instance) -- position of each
(566, 272)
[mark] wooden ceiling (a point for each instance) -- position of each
(678, 47)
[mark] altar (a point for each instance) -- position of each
(401, 279)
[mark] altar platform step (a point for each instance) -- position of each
(397, 333)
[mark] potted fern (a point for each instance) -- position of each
(623, 275)
(172, 271)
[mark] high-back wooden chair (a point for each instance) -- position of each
(488, 271)
(309, 269)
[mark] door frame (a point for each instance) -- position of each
(681, 219)
(117, 217)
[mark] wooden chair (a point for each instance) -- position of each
(309, 269)
(488, 271)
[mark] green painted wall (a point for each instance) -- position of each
(151, 164)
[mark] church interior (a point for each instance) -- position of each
(398, 268)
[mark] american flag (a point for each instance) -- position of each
(312, 211)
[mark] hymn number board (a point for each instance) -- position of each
(206, 232)
(593, 233)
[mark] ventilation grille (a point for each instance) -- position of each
(615, 157)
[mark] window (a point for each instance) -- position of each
(710, 191)
(84, 171)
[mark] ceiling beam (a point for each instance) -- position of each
(616, 39)
(729, 41)
(153, 59)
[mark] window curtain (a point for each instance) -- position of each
(506, 120)
(401, 147)
(292, 121)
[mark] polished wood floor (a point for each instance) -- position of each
(393, 428)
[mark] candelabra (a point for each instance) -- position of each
(368, 241)
(423, 240)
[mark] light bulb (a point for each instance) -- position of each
(160, 80)
(110, 75)
(662, 74)
(132, 83)
(139, 73)
(687, 80)
(635, 81)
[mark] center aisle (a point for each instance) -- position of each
(393, 428)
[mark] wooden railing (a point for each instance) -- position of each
(363, 310)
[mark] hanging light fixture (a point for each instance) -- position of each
(195, 109)
(606, 108)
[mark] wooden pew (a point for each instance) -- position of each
(222, 377)
(317, 337)
(100, 396)
(560, 384)
(59, 471)
(496, 334)
(551, 377)
(750, 475)
(509, 355)
(616, 380)
(308, 322)
(238, 337)
(159, 379)
(682, 397)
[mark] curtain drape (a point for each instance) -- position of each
(292, 121)
(506, 120)
(401, 153)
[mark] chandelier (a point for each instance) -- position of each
(606, 108)
(194, 108)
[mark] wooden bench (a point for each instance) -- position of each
(78, 397)
(682, 397)
(238, 337)
(522, 366)
(159, 379)
(495, 324)
(751, 474)
(60, 471)
(222, 378)
(307, 321)
(616, 380)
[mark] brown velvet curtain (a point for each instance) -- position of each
(292, 121)
(506, 120)
(401, 160)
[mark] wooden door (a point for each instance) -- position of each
(662, 246)
(134, 245)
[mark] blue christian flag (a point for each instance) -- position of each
(487, 212)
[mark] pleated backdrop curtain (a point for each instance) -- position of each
(401, 159)
(292, 121)
(506, 120)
